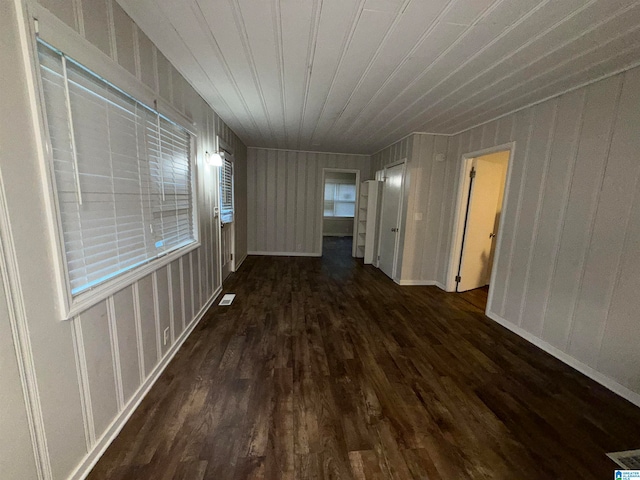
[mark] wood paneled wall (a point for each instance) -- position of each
(566, 273)
(91, 370)
(284, 195)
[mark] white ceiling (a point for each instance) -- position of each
(357, 75)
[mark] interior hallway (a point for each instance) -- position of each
(324, 368)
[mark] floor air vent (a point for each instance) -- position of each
(629, 460)
(227, 299)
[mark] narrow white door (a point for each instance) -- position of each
(390, 219)
(486, 191)
(226, 238)
(227, 214)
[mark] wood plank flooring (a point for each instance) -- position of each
(476, 297)
(324, 368)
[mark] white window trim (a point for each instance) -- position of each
(62, 37)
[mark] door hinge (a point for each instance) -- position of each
(458, 279)
(232, 256)
(472, 173)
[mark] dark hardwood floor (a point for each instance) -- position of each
(476, 297)
(324, 368)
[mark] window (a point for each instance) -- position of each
(122, 174)
(339, 199)
(226, 191)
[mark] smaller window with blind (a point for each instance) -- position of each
(339, 196)
(122, 175)
(226, 190)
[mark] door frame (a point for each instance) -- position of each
(459, 214)
(355, 213)
(396, 249)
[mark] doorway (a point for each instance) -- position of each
(481, 198)
(340, 189)
(390, 217)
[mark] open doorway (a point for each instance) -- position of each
(482, 190)
(339, 203)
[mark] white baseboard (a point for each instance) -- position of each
(239, 263)
(599, 377)
(90, 460)
(286, 254)
(425, 283)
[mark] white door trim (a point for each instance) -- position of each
(321, 209)
(461, 201)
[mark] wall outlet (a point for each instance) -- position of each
(417, 216)
(166, 335)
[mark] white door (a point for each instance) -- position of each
(486, 192)
(227, 234)
(390, 219)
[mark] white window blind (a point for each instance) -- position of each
(226, 191)
(122, 174)
(339, 199)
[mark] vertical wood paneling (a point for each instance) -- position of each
(587, 177)
(99, 364)
(17, 458)
(176, 304)
(284, 208)
(554, 193)
(616, 198)
(620, 356)
(96, 24)
(511, 210)
(127, 342)
(125, 49)
(252, 196)
(195, 282)
(147, 63)
(163, 313)
(311, 211)
(148, 324)
(164, 76)
(63, 9)
(291, 190)
(536, 162)
(187, 288)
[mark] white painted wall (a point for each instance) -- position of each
(91, 370)
(16, 452)
(337, 226)
(284, 195)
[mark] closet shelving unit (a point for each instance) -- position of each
(365, 239)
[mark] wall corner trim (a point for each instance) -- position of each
(593, 374)
(110, 434)
(240, 262)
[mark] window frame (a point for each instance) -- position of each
(41, 23)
